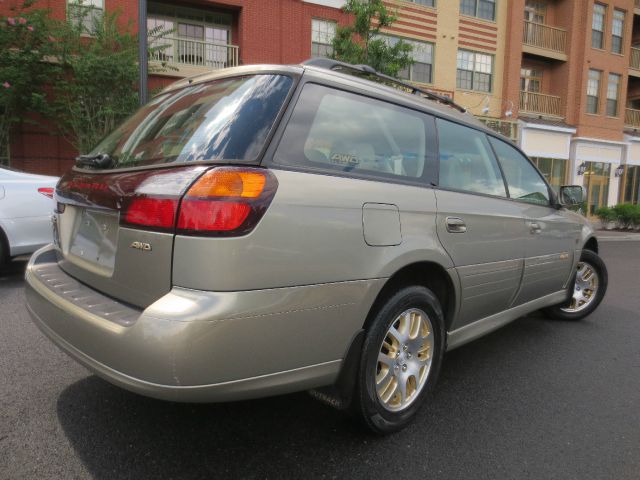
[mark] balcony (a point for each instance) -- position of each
(634, 62)
(508, 128)
(180, 52)
(632, 118)
(541, 104)
(544, 40)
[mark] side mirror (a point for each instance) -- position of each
(571, 195)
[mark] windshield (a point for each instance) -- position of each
(227, 119)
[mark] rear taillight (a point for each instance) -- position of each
(225, 201)
(152, 212)
(46, 191)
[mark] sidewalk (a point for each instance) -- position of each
(616, 236)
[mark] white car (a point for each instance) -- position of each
(26, 206)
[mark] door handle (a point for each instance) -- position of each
(534, 228)
(455, 225)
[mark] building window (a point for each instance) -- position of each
(593, 91)
(530, 80)
(426, 3)
(617, 31)
(535, 11)
(85, 13)
(485, 9)
(196, 37)
(475, 71)
(630, 191)
(597, 26)
(422, 68)
(613, 89)
(322, 34)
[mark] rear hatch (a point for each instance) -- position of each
(117, 216)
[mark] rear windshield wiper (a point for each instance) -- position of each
(101, 160)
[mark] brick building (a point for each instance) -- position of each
(561, 77)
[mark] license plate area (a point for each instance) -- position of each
(95, 238)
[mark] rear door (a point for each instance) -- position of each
(481, 229)
(551, 239)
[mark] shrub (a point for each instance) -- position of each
(606, 215)
(626, 214)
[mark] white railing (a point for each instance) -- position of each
(193, 52)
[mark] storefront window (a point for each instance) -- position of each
(596, 185)
(630, 191)
(554, 170)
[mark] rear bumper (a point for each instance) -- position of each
(202, 346)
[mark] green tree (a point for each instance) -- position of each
(362, 43)
(26, 49)
(99, 86)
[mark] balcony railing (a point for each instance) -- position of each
(539, 103)
(179, 51)
(634, 61)
(508, 128)
(544, 36)
(632, 118)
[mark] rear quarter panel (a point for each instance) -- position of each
(312, 233)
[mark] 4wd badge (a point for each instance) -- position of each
(141, 246)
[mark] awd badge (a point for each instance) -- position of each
(141, 246)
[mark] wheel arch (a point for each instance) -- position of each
(591, 244)
(428, 274)
(5, 249)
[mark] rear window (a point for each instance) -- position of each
(222, 120)
(335, 130)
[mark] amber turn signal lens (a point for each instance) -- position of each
(221, 183)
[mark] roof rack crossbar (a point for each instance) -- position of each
(330, 64)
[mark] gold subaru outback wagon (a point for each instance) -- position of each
(269, 229)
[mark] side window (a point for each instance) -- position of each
(466, 160)
(524, 182)
(335, 130)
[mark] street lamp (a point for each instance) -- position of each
(142, 51)
(582, 168)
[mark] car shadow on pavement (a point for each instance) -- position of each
(12, 271)
(120, 434)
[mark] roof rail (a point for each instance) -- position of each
(336, 65)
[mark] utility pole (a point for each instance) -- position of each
(143, 59)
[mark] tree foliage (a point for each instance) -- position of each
(93, 79)
(26, 49)
(98, 88)
(362, 43)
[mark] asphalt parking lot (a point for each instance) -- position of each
(537, 399)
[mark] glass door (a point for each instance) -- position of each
(596, 185)
(217, 39)
(630, 191)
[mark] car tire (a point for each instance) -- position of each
(3, 248)
(407, 332)
(590, 286)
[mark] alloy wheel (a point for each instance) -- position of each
(404, 360)
(584, 289)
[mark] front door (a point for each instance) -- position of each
(551, 237)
